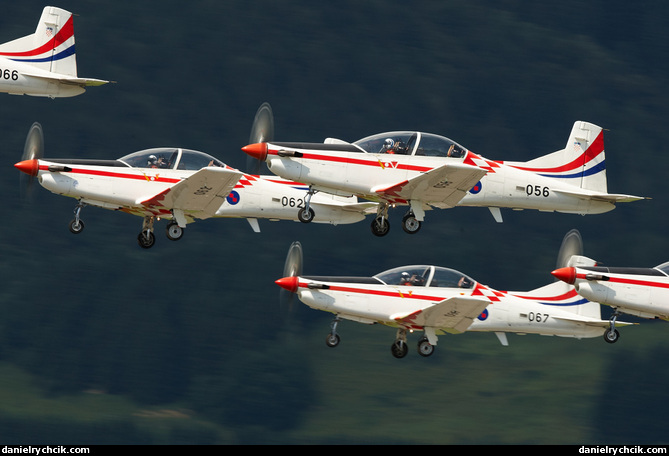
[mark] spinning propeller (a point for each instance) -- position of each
(572, 244)
(291, 270)
(261, 131)
(33, 150)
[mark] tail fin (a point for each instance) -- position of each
(50, 48)
(580, 163)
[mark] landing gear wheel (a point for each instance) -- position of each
(332, 340)
(76, 226)
(425, 348)
(174, 231)
(611, 336)
(305, 215)
(399, 349)
(410, 224)
(380, 226)
(146, 239)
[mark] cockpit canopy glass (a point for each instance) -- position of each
(170, 158)
(425, 276)
(664, 267)
(411, 143)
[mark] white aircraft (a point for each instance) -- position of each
(438, 300)
(177, 184)
(643, 292)
(44, 64)
(425, 171)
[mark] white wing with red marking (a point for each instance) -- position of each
(199, 195)
(443, 187)
(455, 314)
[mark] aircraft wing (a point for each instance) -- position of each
(455, 314)
(443, 187)
(606, 197)
(199, 195)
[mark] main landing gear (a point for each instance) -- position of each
(612, 335)
(381, 226)
(399, 348)
(145, 238)
(306, 214)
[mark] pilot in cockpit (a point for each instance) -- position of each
(413, 280)
(391, 146)
(157, 162)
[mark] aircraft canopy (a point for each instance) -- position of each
(411, 143)
(425, 276)
(170, 158)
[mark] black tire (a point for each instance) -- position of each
(380, 226)
(174, 232)
(332, 340)
(305, 216)
(399, 349)
(410, 225)
(611, 336)
(76, 227)
(146, 241)
(425, 348)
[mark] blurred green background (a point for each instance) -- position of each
(103, 342)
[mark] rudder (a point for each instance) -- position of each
(582, 161)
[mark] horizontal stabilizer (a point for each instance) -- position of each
(597, 196)
(82, 82)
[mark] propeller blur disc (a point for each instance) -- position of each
(572, 244)
(32, 149)
(291, 268)
(261, 131)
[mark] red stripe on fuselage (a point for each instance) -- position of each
(623, 280)
(356, 161)
(103, 173)
(398, 293)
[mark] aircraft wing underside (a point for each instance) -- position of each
(444, 186)
(455, 314)
(198, 196)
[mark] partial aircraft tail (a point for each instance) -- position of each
(50, 48)
(581, 163)
(564, 296)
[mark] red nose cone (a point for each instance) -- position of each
(29, 167)
(288, 283)
(567, 275)
(257, 151)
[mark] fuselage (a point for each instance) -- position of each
(643, 292)
(348, 170)
(386, 300)
(128, 183)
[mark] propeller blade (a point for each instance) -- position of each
(572, 244)
(33, 149)
(261, 131)
(291, 268)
